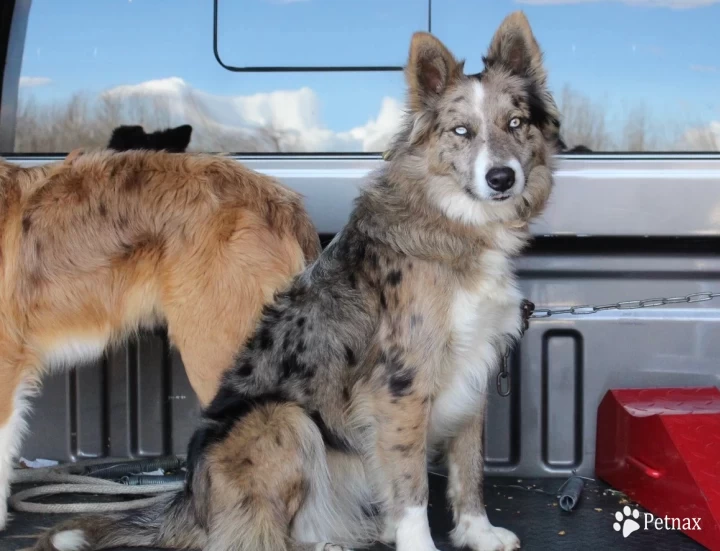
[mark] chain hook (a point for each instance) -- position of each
(503, 383)
(503, 378)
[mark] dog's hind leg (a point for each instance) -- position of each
(213, 299)
(339, 506)
(15, 390)
(259, 476)
(242, 494)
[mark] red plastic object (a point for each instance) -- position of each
(661, 447)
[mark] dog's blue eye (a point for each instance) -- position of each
(515, 122)
(460, 130)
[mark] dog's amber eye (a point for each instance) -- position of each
(515, 122)
(461, 131)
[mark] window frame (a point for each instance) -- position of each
(14, 16)
(303, 69)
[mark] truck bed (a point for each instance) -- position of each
(614, 232)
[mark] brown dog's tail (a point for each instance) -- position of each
(306, 234)
(169, 523)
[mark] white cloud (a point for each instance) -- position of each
(706, 138)
(674, 4)
(376, 133)
(293, 115)
(28, 82)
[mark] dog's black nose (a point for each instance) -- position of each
(500, 179)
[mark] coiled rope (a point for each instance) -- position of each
(95, 480)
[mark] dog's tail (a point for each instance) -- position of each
(169, 523)
(306, 233)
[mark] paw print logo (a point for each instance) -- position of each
(626, 521)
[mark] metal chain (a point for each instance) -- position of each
(624, 305)
(504, 382)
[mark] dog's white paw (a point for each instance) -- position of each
(69, 540)
(478, 534)
(413, 531)
(331, 547)
(415, 542)
(413, 546)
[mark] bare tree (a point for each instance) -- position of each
(583, 123)
(85, 121)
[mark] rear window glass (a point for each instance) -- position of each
(629, 75)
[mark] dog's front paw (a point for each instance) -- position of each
(476, 533)
(331, 547)
(415, 546)
(413, 531)
(418, 541)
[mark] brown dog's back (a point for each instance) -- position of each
(98, 245)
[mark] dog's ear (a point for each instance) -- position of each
(127, 137)
(514, 47)
(172, 140)
(179, 137)
(431, 70)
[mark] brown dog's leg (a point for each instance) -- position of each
(15, 390)
(209, 340)
(214, 297)
(472, 527)
(209, 331)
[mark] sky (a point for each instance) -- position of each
(621, 53)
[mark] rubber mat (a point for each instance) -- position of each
(526, 506)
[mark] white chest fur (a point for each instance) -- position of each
(482, 317)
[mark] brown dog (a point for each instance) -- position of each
(97, 246)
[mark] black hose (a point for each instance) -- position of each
(119, 469)
(150, 480)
